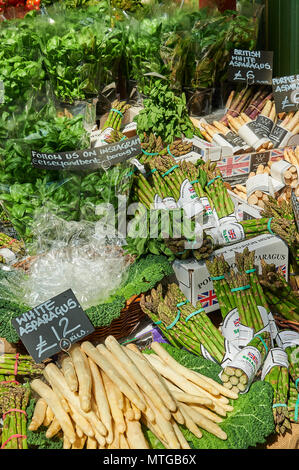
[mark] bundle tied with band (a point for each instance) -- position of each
(275, 372)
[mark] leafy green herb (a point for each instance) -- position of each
(164, 114)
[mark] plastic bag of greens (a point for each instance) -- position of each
(70, 255)
(213, 39)
(143, 51)
(72, 58)
(23, 201)
(44, 132)
(24, 189)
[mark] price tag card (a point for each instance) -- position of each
(91, 159)
(53, 326)
(286, 93)
(251, 67)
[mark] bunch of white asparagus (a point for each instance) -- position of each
(101, 395)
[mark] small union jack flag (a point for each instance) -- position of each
(232, 234)
(282, 269)
(207, 299)
(234, 165)
(253, 357)
(237, 322)
(275, 154)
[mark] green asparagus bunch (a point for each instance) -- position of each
(278, 292)
(19, 365)
(206, 249)
(181, 323)
(234, 378)
(195, 177)
(146, 187)
(246, 263)
(116, 114)
(278, 377)
(218, 269)
(246, 300)
(239, 289)
(151, 146)
(293, 403)
(293, 358)
(115, 137)
(14, 400)
(198, 179)
(170, 173)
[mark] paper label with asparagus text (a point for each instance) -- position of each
(278, 135)
(273, 327)
(276, 357)
(249, 133)
(249, 361)
(189, 200)
(288, 338)
(220, 139)
(257, 183)
(245, 335)
(235, 140)
(228, 219)
(209, 219)
(266, 322)
(230, 327)
(264, 124)
(278, 169)
(169, 203)
(231, 232)
(158, 203)
(206, 354)
(231, 350)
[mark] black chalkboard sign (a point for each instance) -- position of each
(250, 67)
(53, 326)
(91, 159)
(286, 93)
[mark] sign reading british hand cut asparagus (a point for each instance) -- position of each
(286, 93)
(52, 326)
(90, 159)
(250, 66)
